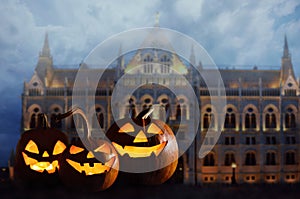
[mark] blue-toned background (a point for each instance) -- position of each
(233, 32)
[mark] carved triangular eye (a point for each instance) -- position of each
(154, 129)
(59, 148)
(104, 148)
(75, 149)
(126, 128)
(32, 147)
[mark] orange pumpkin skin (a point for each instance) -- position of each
(37, 156)
(83, 170)
(154, 165)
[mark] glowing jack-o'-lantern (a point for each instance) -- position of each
(89, 164)
(89, 170)
(42, 166)
(97, 167)
(147, 148)
(38, 153)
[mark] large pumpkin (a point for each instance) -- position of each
(89, 164)
(37, 155)
(147, 149)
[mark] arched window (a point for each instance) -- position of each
(165, 64)
(131, 108)
(209, 160)
(229, 119)
(270, 118)
(250, 119)
(178, 112)
(148, 66)
(181, 110)
(290, 158)
(147, 102)
(168, 112)
(98, 118)
(208, 119)
(34, 118)
(164, 102)
(33, 121)
(271, 158)
(250, 159)
(53, 122)
(290, 118)
(229, 159)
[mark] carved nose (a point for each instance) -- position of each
(90, 155)
(45, 154)
(140, 137)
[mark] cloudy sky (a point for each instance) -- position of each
(233, 33)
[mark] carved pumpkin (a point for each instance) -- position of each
(147, 149)
(89, 170)
(89, 164)
(37, 155)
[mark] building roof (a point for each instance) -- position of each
(251, 78)
(68, 76)
(232, 78)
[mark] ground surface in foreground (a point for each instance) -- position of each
(167, 191)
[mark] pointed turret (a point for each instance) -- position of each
(192, 57)
(121, 58)
(44, 68)
(286, 63)
(192, 64)
(286, 53)
(200, 66)
(46, 50)
(120, 63)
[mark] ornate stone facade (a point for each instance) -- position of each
(261, 130)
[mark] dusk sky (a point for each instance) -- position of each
(243, 33)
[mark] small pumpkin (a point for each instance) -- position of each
(147, 148)
(37, 154)
(89, 164)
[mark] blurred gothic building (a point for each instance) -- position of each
(260, 135)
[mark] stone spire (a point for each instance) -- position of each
(46, 50)
(120, 63)
(286, 63)
(44, 67)
(286, 53)
(192, 57)
(121, 58)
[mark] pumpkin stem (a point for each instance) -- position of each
(143, 119)
(148, 113)
(57, 118)
(145, 114)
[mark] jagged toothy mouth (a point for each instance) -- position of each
(139, 152)
(40, 166)
(92, 169)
